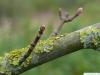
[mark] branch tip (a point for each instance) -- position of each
(63, 14)
(64, 18)
(79, 11)
(32, 45)
(42, 28)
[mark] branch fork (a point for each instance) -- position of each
(57, 51)
(63, 15)
(64, 18)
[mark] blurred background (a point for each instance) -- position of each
(20, 20)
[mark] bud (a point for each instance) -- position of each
(79, 11)
(42, 28)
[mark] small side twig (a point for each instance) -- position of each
(32, 45)
(64, 18)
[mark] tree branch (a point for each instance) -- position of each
(64, 18)
(32, 45)
(50, 49)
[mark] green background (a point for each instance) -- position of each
(19, 23)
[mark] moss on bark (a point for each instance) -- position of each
(47, 50)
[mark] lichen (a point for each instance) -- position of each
(46, 46)
(14, 56)
(10, 61)
(90, 37)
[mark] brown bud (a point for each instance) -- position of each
(79, 11)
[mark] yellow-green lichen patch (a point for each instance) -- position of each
(14, 56)
(27, 62)
(4, 65)
(90, 37)
(10, 60)
(45, 46)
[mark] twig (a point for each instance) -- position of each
(69, 43)
(32, 45)
(64, 18)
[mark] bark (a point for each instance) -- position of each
(51, 49)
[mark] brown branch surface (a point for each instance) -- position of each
(64, 18)
(52, 48)
(32, 45)
(55, 47)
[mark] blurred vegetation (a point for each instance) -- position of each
(20, 20)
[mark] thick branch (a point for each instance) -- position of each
(55, 47)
